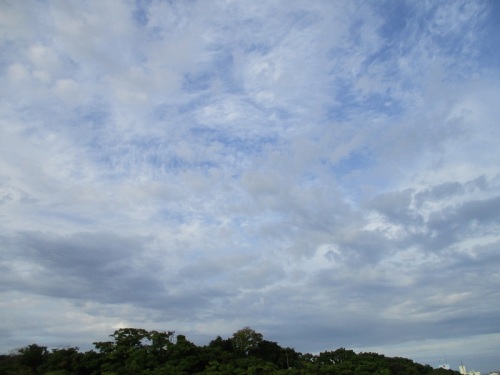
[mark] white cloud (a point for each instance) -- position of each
(17, 72)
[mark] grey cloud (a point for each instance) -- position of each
(446, 190)
(451, 189)
(83, 265)
(468, 219)
(365, 246)
(396, 206)
(106, 268)
(440, 216)
(485, 211)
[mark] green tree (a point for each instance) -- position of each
(33, 356)
(184, 357)
(67, 360)
(134, 350)
(245, 340)
(270, 351)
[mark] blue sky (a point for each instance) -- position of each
(325, 172)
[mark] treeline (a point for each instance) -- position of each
(135, 351)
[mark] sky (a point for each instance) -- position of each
(325, 172)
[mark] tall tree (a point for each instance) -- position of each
(33, 356)
(134, 349)
(245, 340)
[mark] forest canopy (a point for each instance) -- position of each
(133, 351)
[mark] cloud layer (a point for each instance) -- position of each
(326, 173)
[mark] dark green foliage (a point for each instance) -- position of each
(65, 361)
(9, 363)
(141, 352)
(269, 351)
(33, 356)
(134, 350)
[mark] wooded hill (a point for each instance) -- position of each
(134, 351)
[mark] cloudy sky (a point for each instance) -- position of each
(325, 172)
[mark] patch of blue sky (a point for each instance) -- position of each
(223, 69)
(384, 56)
(159, 155)
(271, 117)
(350, 104)
(90, 123)
(353, 174)
(195, 101)
(248, 145)
(339, 112)
(311, 178)
(38, 117)
(124, 162)
(140, 13)
(380, 103)
(141, 18)
(155, 33)
(95, 115)
(254, 145)
(461, 53)
(170, 216)
(256, 47)
(194, 82)
(355, 31)
(489, 48)
(173, 163)
(355, 161)
(304, 18)
(10, 54)
(166, 112)
(395, 15)
(220, 70)
(280, 113)
(402, 29)
(262, 43)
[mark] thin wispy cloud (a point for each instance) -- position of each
(326, 173)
